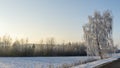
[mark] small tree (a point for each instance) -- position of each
(50, 41)
(7, 40)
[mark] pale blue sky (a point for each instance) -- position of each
(62, 19)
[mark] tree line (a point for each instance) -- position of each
(22, 48)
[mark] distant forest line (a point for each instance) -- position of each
(22, 48)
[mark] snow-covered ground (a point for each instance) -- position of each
(38, 62)
(44, 62)
(99, 62)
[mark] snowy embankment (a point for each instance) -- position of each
(95, 63)
(99, 62)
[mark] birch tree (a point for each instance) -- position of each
(98, 34)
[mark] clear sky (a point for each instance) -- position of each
(61, 19)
